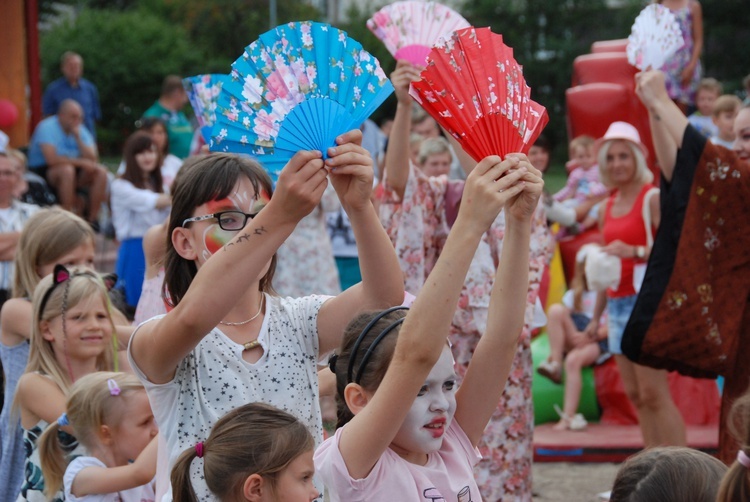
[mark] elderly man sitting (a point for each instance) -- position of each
(63, 151)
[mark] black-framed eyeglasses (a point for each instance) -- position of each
(228, 220)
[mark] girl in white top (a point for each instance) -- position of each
(405, 432)
(228, 340)
(138, 201)
(110, 415)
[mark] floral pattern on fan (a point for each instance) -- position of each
(654, 37)
(203, 92)
(410, 28)
(488, 109)
(297, 87)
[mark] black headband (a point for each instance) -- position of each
(377, 340)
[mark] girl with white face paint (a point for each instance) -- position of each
(229, 339)
(405, 431)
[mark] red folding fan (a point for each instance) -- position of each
(475, 89)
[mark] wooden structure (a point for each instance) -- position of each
(19, 72)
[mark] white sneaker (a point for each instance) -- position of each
(577, 423)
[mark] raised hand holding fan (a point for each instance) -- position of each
(488, 109)
(203, 93)
(654, 38)
(409, 29)
(297, 87)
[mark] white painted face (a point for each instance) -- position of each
(431, 413)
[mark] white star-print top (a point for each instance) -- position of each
(214, 379)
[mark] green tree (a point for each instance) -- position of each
(126, 54)
(223, 28)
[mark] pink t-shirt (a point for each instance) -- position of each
(448, 474)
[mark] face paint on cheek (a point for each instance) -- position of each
(214, 238)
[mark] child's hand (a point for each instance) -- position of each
(351, 171)
(301, 185)
(489, 186)
(401, 78)
(523, 205)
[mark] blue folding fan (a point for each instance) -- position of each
(296, 88)
(203, 93)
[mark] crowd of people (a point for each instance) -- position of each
(201, 370)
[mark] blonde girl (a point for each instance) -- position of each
(111, 417)
(229, 340)
(51, 236)
(405, 432)
(254, 452)
(71, 337)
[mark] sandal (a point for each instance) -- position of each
(551, 370)
(575, 423)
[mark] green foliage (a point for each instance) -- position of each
(126, 54)
(223, 28)
(726, 39)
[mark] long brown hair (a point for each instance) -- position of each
(139, 142)
(206, 178)
(253, 439)
(668, 474)
(370, 376)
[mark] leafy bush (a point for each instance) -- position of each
(126, 54)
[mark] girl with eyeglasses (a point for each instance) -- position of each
(71, 337)
(229, 340)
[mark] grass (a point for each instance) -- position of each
(555, 178)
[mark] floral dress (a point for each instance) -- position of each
(418, 226)
(32, 489)
(305, 264)
(674, 65)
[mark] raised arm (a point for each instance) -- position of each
(490, 365)
(103, 480)
(397, 155)
(424, 332)
(668, 123)
(159, 346)
(382, 283)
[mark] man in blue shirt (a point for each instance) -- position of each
(73, 86)
(63, 152)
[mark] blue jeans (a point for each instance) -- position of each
(618, 312)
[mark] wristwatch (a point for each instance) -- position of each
(640, 252)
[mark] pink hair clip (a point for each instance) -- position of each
(743, 459)
(114, 389)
